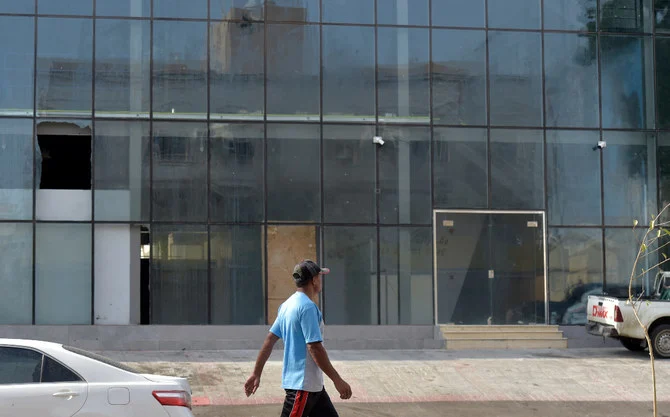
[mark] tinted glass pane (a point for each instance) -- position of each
(351, 255)
(517, 169)
(70, 7)
(348, 11)
(19, 366)
(180, 69)
(17, 6)
(629, 171)
(236, 9)
(349, 174)
(55, 372)
(63, 274)
(293, 173)
(64, 66)
(237, 275)
(460, 168)
(293, 81)
(130, 8)
(122, 55)
(179, 292)
(180, 9)
(661, 9)
(236, 70)
(471, 13)
(404, 176)
(625, 15)
(515, 14)
(621, 249)
(122, 171)
(575, 271)
(180, 172)
(17, 65)
(663, 81)
(663, 156)
(627, 82)
(293, 10)
(459, 77)
(16, 244)
(406, 275)
(348, 73)
(403, 12)
(236, 173)
(573, 178)
(570, 15)
(404, 87)
(515, 61)
(16, 169)
(571, 80)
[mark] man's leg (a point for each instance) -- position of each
(323, 406)
(299, 403)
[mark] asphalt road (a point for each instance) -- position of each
(469, 409)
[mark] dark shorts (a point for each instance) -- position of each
(308, 404)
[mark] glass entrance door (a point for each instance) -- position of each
(490, 267)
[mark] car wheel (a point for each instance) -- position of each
(634, 345)
(660, 338)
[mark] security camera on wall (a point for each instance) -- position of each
(378, 140)
(601, 145)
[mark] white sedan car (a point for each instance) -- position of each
(42, 379)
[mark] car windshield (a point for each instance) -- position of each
(100, 358)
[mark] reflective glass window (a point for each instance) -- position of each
(406, 275)
(575, 271)
(244, 10)
(122, 162)
(54, 372)
(663, 81)
(348, 11)
(621, 248)
(19, 366)
(629, 172)
(123, 8)
(663, 155)
(16, 169)
(63, 262)
(180, 69)
(351, 255)
(122, 76)
(64, 66)
(403, 12)
(571, 81)
(627, 76)
(17, 6)
(459, 13)
(349, 174)
(625, 15)
(459, 77)
(237, 275)
(179, 172)
(293, 180)
(179, 281)
(70, 7)
(293, 10)
(16, 302)
(403, 80)
(404, 176)
(17, 65)
(180, 9)
(570, 15)
(573, 178)
(348, 73)
(236, 192)
(460, 168)
(515, 67)
(517, 169)
(236, 70)
(293, 72)
(515, 14)
(662, 15)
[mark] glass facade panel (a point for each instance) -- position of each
(403, 75)
(349, 175)
(515, 71)
(661, 9)
(663, 81)
(122, 59)
(238, 282)
(179, 9)
(350, 292)
(348, 11)
(571, 81)
(69, 7)
(16, 273)
(244, 10)
(179, 172)
(17, 65)
(663, 155)
(570, 15)
(16, 169)
(459, 77)
(403, 12)
(515, 14)
(64, 67)
(404, 176)
(517, 169)
(459, 13)
(621, 249)
(17, 6)
(573, 178)
(180, 69)
(460, 168)
(293, 10)
(236, 192)
(348, 73)
(63, 278)
(625, 15)
(293, 180)
(123, 8)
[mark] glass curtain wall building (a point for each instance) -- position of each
(168, 162)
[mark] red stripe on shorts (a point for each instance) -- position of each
(299, 404)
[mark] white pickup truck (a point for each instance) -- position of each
(614, 317)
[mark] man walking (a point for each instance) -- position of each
(300, 323)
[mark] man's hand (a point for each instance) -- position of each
(252, 384)
(343, 388)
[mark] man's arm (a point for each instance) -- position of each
(320, 356)
(254, 380)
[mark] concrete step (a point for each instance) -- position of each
(481, 344)
(477, 328)
(506, 335)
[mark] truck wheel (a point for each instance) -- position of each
(660, 338)
(634, 345)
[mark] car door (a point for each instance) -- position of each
(35, 385)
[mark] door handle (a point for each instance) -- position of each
(66, 394)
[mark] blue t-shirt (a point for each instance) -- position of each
(299, 322)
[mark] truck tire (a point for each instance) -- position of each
(660, 338)
(634, 345)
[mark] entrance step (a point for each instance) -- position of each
(503, 337)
